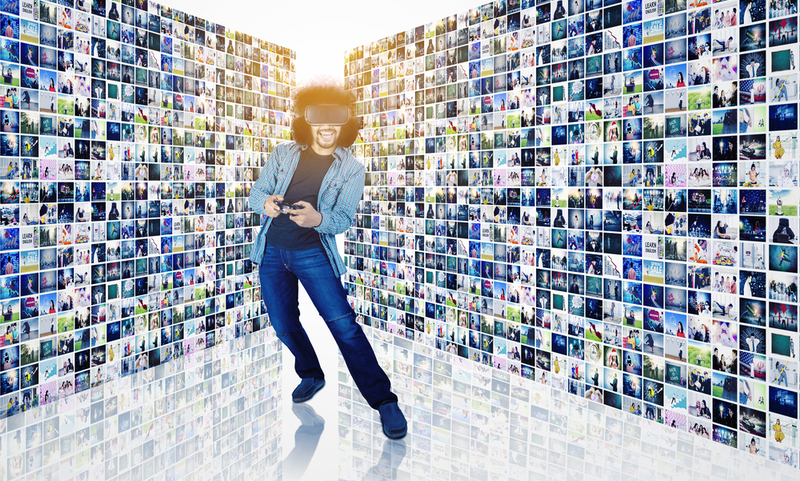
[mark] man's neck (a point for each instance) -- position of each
(321, 151)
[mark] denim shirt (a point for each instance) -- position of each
(341, 189)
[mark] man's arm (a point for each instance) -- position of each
(265, 184)
(338, 218)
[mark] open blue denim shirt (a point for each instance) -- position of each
(341, 189)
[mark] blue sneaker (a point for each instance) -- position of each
(393, 420)
(306, 389)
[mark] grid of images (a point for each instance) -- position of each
(131, 134)
(596, 195)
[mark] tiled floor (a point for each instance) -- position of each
(470, 422)
(225, 413)
(212, 414)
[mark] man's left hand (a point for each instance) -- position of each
(307, 216)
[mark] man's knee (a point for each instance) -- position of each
(339, 320)
(343, 325)
(283, 328)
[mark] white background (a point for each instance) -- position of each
(321, 31)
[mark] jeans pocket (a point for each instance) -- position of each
(311, 257)
(270, 260)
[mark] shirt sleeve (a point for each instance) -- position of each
(338, 217)
(265, 184)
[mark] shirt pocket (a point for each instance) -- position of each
(336, 184)
(281, 174)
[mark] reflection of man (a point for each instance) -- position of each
(301, 244)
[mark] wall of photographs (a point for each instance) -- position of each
(132, 336)
(598, 195)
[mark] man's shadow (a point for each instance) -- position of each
(306, 439)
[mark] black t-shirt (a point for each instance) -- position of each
(283, 232)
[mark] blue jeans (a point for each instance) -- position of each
(279, 273)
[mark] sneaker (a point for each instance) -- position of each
(306, 389)
(393, 421)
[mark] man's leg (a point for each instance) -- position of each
(325, 289)
(279, 291)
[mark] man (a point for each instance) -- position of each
(324, 182)
(786, 179)
(752, 70)
(752, 342)
(783, 91)
(575, 74)
(781, 377)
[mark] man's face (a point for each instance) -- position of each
(324, 137)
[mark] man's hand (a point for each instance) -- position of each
(270, 206)
(307, 216)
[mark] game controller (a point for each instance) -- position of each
(285, 207)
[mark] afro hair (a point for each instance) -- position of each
(318, 92)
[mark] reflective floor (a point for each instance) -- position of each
(211, 414)
(467, 421)
(225, 413)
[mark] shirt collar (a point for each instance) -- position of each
(337, 154)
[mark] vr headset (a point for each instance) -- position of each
(327, 114)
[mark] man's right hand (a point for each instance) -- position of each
(271, 207)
